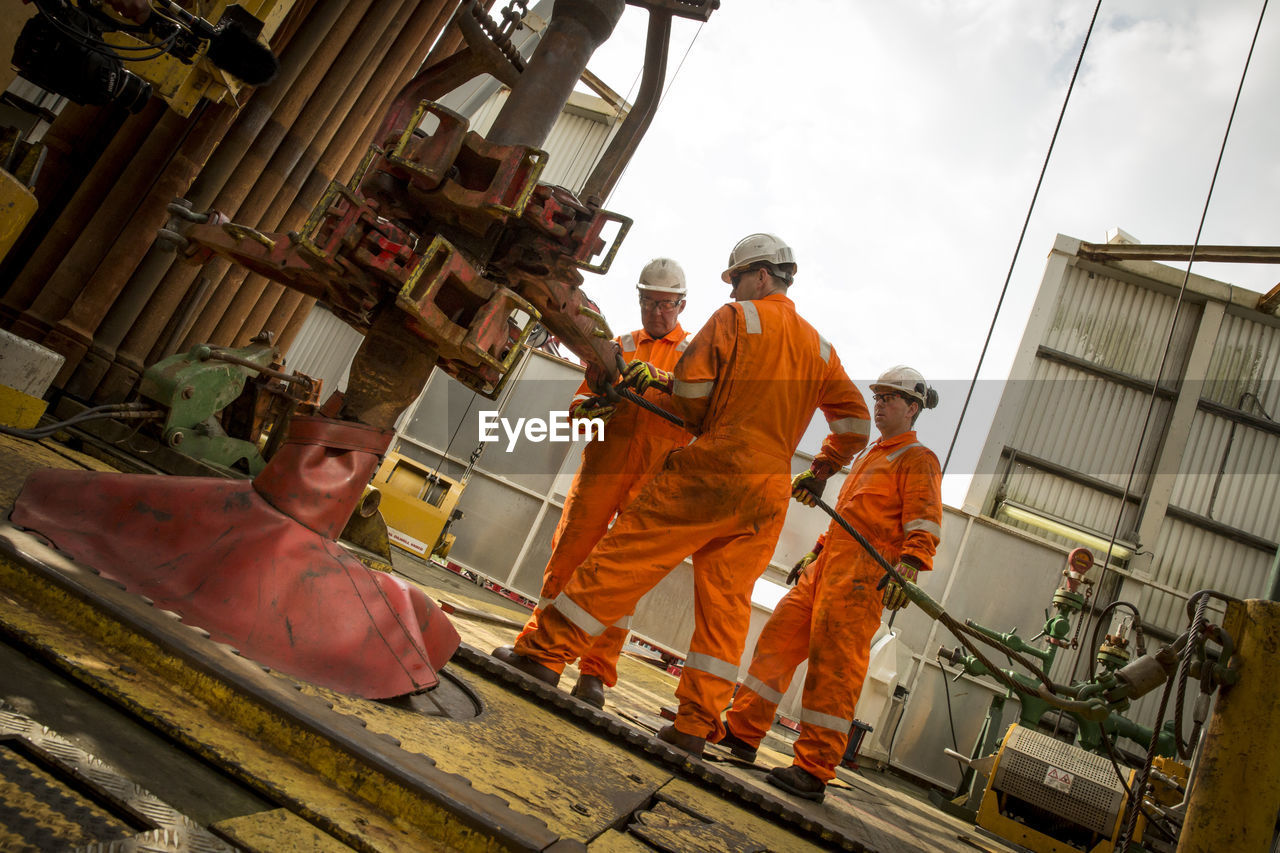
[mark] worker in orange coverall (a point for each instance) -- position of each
(613, 470)
(749, 384)
(893, 497)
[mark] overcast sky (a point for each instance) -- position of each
(896, 146)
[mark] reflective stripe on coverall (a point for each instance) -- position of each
(611, 474)
(750, 381)
(892, 496)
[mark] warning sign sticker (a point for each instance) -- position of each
(1059, 780)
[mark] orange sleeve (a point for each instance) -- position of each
(920, 479)
(847, 416)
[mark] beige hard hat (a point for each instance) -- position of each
(909, 382)
(663, 275)
(755, 249)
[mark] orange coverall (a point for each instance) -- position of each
(893, 497)
(611, 474)
(749, 382)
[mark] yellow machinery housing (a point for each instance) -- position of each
(1050, 796)
(183, 85)
(418, 505)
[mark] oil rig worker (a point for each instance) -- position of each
(893, 497)
(613, 470)
(749, 384)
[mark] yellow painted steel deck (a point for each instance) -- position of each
(258, 761)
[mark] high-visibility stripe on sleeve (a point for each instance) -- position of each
(684, 345)
(752, 315)
(854, 426)
(923, 524)
(569, 609)
(624, 623)
(763, 690)
(901, 450)
(824, 349)
(544, 603)
(693, 390)
(827, 721)
(627, 342)
(713, 666)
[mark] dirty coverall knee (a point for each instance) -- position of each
(591, 504)
(830, 617)
(730, 521)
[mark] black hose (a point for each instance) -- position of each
(116, 411)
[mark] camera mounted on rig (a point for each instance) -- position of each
(64, 49)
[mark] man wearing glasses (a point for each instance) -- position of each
(748, 384)
(614, 470)
(893, 497)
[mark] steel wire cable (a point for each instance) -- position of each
(961, 632)
(670, 83)
(1021, 236)
(1173, 322)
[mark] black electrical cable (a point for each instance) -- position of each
(951, 719)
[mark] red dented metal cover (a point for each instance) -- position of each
(215, 552)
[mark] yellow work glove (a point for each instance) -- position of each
(807, 486)
(895, 597)
(798, 569)
(592, 407)
(641, 375)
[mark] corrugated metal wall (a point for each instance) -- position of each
(1206, 485)
(576, 141)
(1075, 439)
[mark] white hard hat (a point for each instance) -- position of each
(908, 381)
(663, 275)
(757, 248)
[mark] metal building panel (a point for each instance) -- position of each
(574, 144)
(1229, 475)
(1080, 505)
(1086, 423)
(1246, 360)
(323, 349)
(1188, 558)
(1115, 324)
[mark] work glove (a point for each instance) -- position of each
(641, 375)
(798, 569)
(807, 487)
(592, 407)
(895, 597)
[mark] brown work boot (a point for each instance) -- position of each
(798, 781)
(529, 666)
(691, 744)
(737, 746)
(590, 689)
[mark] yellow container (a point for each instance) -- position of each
(416, 503)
